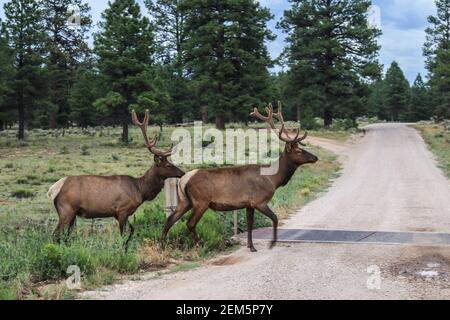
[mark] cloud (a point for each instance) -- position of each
(403, 23)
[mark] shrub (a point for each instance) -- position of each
(22, 194)
(64, 150)
(85, 150)
(7, 292)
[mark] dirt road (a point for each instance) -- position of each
(389, 183)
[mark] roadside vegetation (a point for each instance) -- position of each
(437, 136)
(33, 266)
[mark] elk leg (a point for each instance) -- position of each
(71, 225)
(265, 210)
(129, 237)
(122, 224)
(197, 214)
(182, 208)
(250, 216)
(66, 217)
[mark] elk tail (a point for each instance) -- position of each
(55, 189)
(183, 184)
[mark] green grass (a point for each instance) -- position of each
(437, 136)
(32, 266)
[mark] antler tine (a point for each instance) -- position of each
(283, 133)
(143, 126)
(170, 151)
(268, 119)
(151, 145)
(279, 116)
(302, 138)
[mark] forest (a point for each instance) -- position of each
(208, 60)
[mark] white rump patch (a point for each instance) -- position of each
(183, 183)
(56, 189)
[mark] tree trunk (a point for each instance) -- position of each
(204, 112)
(2, 125)
(53, 123)
(125, 130)
(328, 118)
(21, 133)
(220, 122)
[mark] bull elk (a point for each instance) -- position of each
(117, 197)
(244, 187)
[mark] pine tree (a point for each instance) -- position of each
(376, 101)
(169, 24)
(26, 38)
(437, 53)
(396, 93)
(169, 21)
(226, 55)
(420, 106)
(125, 46)
(85, 91)
(332, 53)
(6, 78)
(66, 48)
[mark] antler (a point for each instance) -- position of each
(283, 134)
(151, 145)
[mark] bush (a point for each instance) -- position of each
(7, 292)
(85, 150)
(57, 258)
(344, 124)
(64, 150)
(22, 194)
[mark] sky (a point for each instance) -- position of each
(402, 21)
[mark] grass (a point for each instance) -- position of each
(33, 267)
(437, 136)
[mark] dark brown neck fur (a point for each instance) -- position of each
(150, 185)
(286, 170)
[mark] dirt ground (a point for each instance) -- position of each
(389, 183)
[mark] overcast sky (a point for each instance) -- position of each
(403, 23)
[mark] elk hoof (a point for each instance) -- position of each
(272, 244)
(252, 249)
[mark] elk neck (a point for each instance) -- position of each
(285, 172)
(150, 185)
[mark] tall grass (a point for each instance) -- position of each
(437, 136)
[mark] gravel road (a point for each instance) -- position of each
(389, 183)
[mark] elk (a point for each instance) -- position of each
(92, 197)
(243, 187)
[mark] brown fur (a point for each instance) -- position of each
(116, 196)
(234, 188)
(110, 197)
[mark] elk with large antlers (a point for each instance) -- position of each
(244, 187)
(115, 196)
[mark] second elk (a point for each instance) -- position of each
(243, 187)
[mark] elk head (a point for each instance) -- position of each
(162, 166)
(293, 150)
